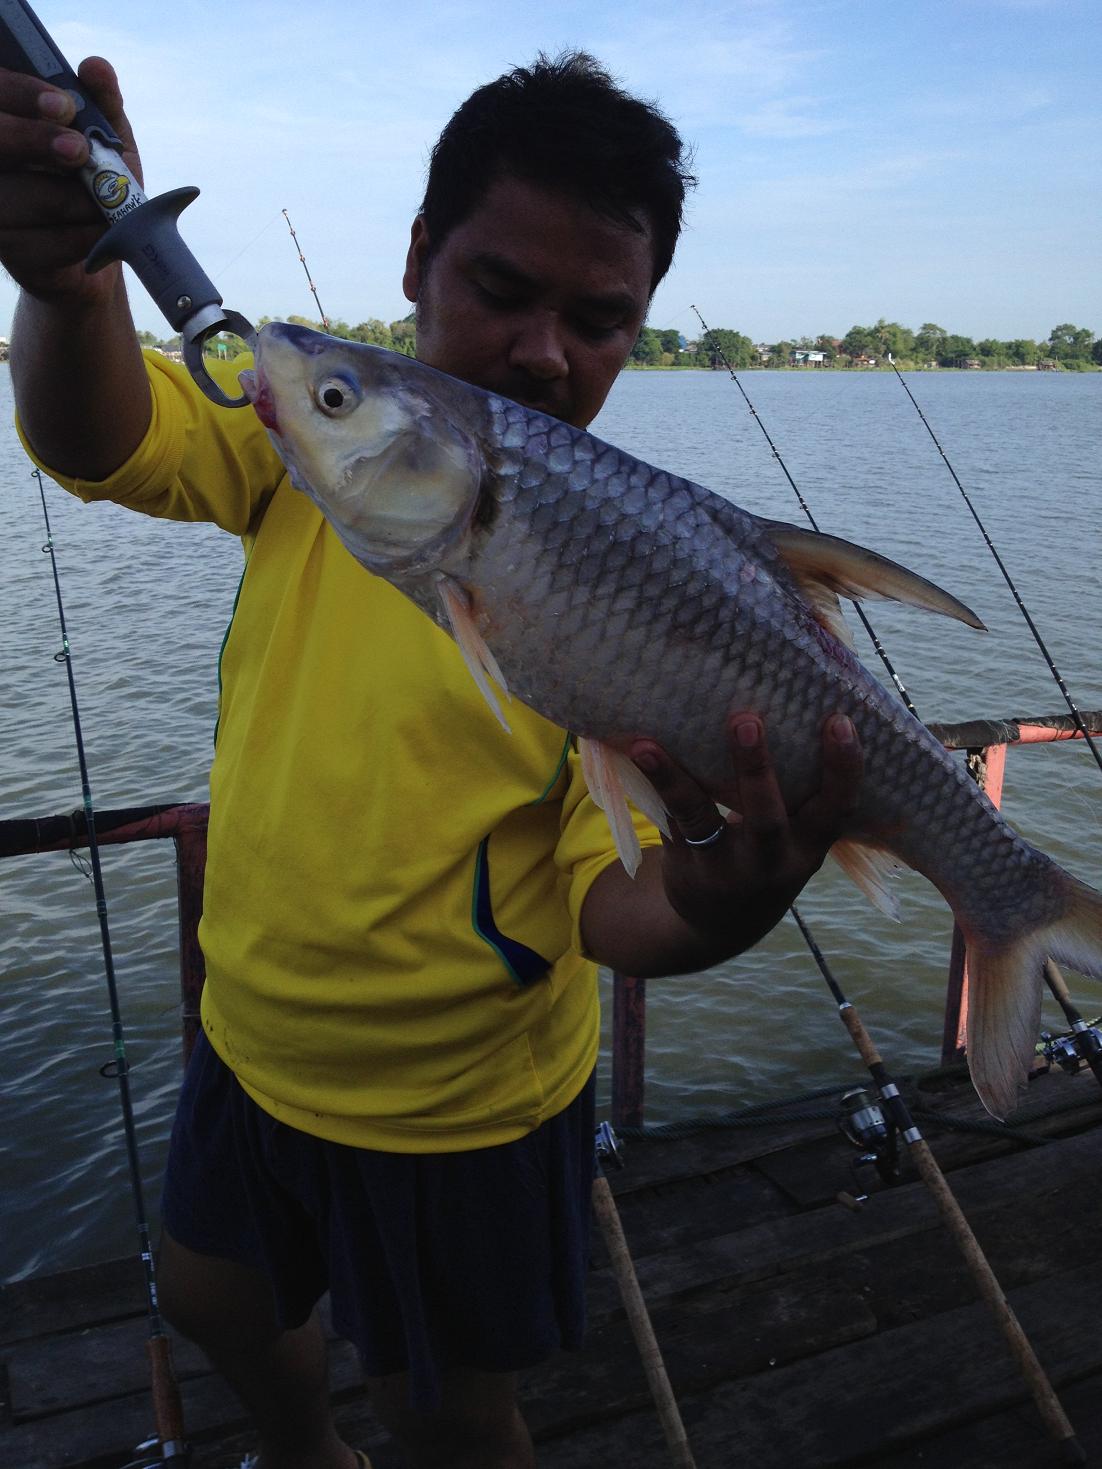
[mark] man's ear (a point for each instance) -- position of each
(416, 256)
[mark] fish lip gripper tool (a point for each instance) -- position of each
(141, 231)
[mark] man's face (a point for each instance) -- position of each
(533, 296)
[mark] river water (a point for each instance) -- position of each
(147, 605)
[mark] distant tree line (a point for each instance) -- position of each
(1068, 346)
(399, 336)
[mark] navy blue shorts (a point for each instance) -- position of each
(474, 1259)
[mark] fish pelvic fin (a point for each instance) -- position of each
(613, 780)
(476, 654)
(1005, 989)
(872, 869)
(826, 568)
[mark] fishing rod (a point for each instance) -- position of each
(902, 1123)
(623, 1267)
(865, 623)
(167, 1407)
(1022, 608)
(306, 268)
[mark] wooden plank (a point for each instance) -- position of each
(659, 1160)
(676, 1213)
(706, 1339)
(858, 1403)
(904, 1384)
(61, 1373)
(1043, 1185)
(71, 1299)
(1012, 1439)
(95, 1435)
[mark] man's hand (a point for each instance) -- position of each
(48, 222)
(80, 384)
(700, 900)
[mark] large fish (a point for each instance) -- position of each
(619, 600)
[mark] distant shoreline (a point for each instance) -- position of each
(862, 371)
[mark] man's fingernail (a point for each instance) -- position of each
(748, 733)
(70, 146)
(54, 104)
(842, 729)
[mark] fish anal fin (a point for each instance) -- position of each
(872, 869)
(476, 654)
(819, 561)
(613, 780)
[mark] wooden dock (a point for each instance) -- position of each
(797, 1329)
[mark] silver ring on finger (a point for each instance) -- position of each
(707, 841)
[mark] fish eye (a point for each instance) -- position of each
(336, 396)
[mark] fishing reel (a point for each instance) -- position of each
(607, 1146)
(1080, 1047)
(864, 1123)
(151, 1453)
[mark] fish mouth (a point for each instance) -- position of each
(258, 394)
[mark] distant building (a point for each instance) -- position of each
(805, 358)
(3, 349)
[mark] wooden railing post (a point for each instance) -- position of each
(191, 862)
(629, 1036)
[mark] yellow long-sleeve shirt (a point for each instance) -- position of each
(393, 883)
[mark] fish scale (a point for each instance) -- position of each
(620, 600)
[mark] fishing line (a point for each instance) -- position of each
(166, 1398)
(1037, 638)
(264, 228)
(806, 508)
(306, 268)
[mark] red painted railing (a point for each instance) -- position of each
(985, 741)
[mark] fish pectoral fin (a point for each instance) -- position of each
(872, 869)
(613, 780)
(456, 602)
(827, 564)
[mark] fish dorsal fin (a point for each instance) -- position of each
(826, 568)
(613, 780)
(872, 869)
(477, 656)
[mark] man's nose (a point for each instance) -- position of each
(538, 347)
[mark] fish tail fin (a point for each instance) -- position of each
(1005, 989)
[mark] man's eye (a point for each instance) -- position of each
(598, 330)
(497, 296)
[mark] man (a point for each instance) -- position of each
(392, 1098)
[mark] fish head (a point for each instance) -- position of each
(374, 438)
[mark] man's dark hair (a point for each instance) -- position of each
(562, 124)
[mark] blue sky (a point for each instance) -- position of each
(937, 160)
